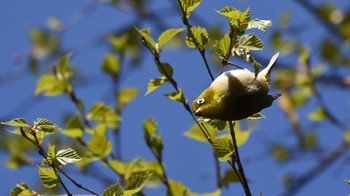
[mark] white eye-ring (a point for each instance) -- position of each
(200, 101)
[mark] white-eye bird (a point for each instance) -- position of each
(236, 94)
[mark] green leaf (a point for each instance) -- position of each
(259, 24)
(318, 114)
(197, 37)
(229, 177)
(103, 113)
(100, 146)
(148, 39)
(50, 85)
(223, 148)
(177, 96)
(126, 95)
(238, 20)
(45, 125)
(347, 181)
(62, 68)
(222, 47)
(177, 188)
(114, 190)
(117, 166)
(150, 127)
(21, 189)
(347, 136)
(166, 36)
(66, 156)
(110, 64)
(280, 152)
(51, 155)
(196, 133)
(136, 182)
(119, 43)
(17, 122)
(165, 69)
(154, 84)
(74, 127)
(189, 5)
(250, 42)
(48, 177)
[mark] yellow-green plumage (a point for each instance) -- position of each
(236, 94)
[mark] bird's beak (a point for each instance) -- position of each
(197, 111)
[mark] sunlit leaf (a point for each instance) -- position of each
(256, 116)
(17, 122)
(177, 96)
(111, 64)
(150, 127)
(50, 85)
(195, 132)
(229, 177)
(51, 155)
(347, 136)
(197, 37)
(136, 182)
(259, 24)
(74, 127)
(45, 125)
(48, 177)
(62, 68)
(126, 95)
(66, 156)
(166, 36)
(21, 189)
(250, 42)
(117, 166)
(145, 34)
(223, 148)
(165, 69)
(103, 113)
(222, 47)
(114, 190)
(318, 114)
(177, 188)
(280, 152)
(100, 146)
(189, 5)
(154, 84)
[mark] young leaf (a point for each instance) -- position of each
(229, 177)
(67, 156)
(250, 42)
(100, 146)
(318, 114)
(177, 188)
(154, 84)
(150, 127)
(74, 127)
(62, 67)
(110, 64)
(103, 113)
(136, 182)
(45, 125)
(17, 122)
(48, 177)
(126, 95)
(165, 69)
(196, 133)
(21, 189)
(222, 47)
(280, 152)
(166, 36)
(346, 136)
(50, 155)
(114, 190)
(259, 24)
(117, 166)
(189, 5)
(223, 148)
(256, 116)
(177, 96)
(197, 37)
(148, 39)
(50, 85)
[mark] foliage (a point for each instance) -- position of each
(93, 134)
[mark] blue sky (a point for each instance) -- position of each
(186, 160)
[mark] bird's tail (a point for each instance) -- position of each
(267, 71)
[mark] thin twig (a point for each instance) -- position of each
(237, 159)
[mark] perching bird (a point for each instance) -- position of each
(236, 94)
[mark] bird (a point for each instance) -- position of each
(236, 94)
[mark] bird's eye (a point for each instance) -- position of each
(200, 101)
